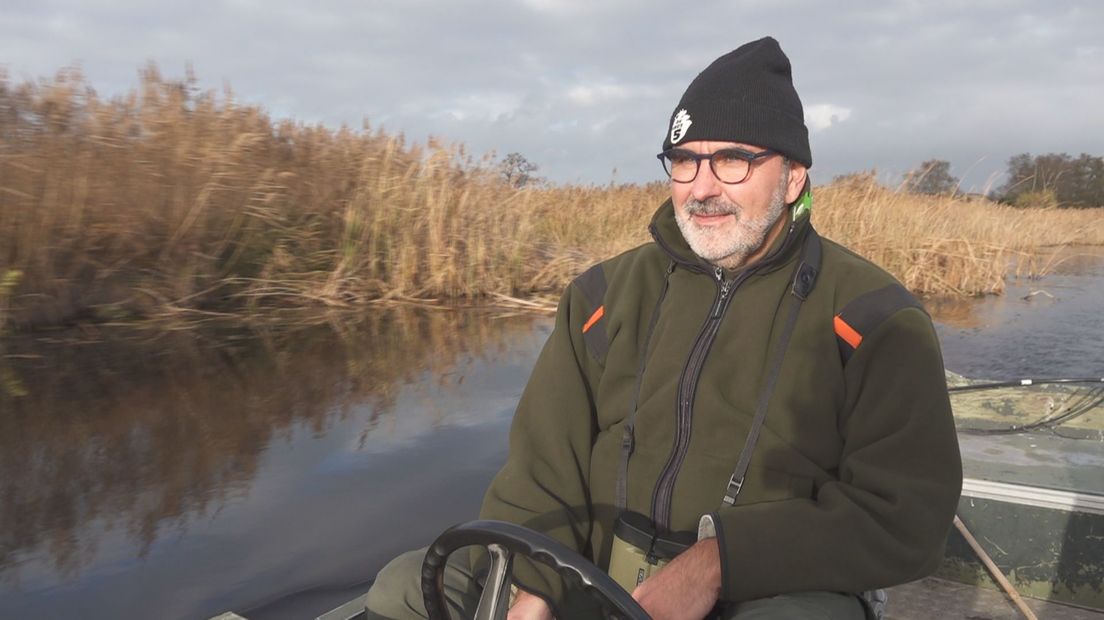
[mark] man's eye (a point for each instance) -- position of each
(680, 159)
(725, 158)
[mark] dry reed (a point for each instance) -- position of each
(954, 245)
(176, 202)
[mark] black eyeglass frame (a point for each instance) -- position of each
(748, 156)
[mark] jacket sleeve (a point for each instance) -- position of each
(544, 483)
(885, 518)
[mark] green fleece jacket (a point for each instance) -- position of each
(856, 475)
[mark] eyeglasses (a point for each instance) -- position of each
(730, 166)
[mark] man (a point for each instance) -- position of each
(739, 378)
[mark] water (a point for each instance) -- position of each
(1048, 327)
(216, 478)
(177, 477)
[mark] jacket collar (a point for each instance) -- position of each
(668, 237)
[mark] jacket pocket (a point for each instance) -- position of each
(764, 484)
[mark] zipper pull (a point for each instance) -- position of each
(725, 286)
(718, 273)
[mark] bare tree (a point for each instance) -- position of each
(932, 177)
(517, 170)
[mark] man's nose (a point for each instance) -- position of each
(706, 184)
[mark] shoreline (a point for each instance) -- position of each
(1044, 261)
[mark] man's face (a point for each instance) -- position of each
(726, 224)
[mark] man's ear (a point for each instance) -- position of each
(798, 174)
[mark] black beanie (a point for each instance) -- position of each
(746, 96)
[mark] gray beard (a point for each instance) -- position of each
(731, 250)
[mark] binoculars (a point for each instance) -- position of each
(639, 551)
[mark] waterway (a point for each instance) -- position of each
(180, 475)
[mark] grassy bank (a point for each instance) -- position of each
(172, 202)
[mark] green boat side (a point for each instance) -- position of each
(1033, 498)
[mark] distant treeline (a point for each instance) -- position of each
(1049, 180)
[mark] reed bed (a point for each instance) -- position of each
(174, 202)
(948, 245)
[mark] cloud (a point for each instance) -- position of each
(556, 6)
(474, 106)
(582, 87)
(821, 116)
(586, 95)
(608, 93)
(573, 8)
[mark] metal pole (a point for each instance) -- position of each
(994, 571)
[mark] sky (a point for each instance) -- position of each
(585, 88)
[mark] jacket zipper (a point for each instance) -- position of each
(688, 383)
(691, 372)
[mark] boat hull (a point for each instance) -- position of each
(1050, 545)
(1034, 499)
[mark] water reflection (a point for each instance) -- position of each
(1040, 327)
(1043, 277)
(119, 444)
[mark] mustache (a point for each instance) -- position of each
(712, 206)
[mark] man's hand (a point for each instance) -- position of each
(529, 607)
(688, 587)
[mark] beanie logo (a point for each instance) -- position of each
(680, 125)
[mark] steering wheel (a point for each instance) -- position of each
(504, 540)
